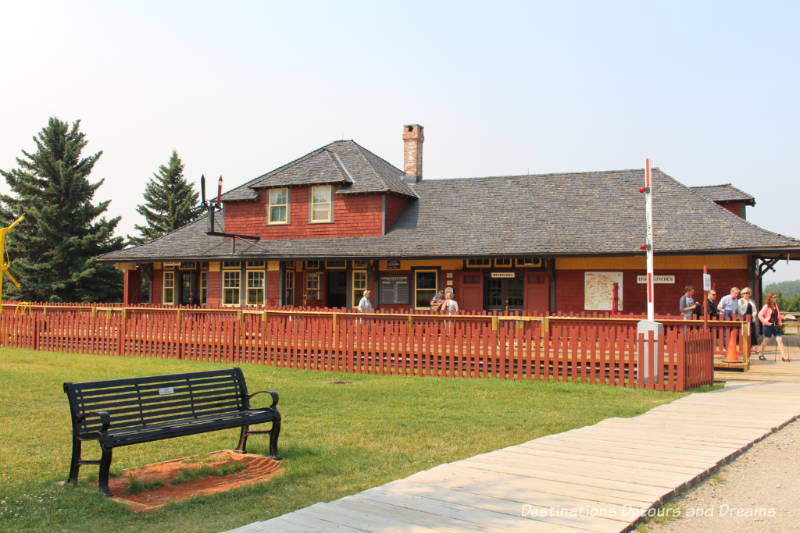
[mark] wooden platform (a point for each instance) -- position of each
(597, 478)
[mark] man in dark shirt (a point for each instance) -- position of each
(713, 314)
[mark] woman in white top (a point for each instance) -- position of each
(364, 305)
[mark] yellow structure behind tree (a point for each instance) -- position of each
(4, 261)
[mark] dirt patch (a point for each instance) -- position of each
(256, 468)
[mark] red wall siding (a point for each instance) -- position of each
(273, 288)
(353, 216)
(132, 287)
(737, 208)
(158, 282)
(394, 206)
(214, 280)
(569, 289)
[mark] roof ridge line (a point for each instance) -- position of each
(360, 149)
(736, 218)
(340, 167)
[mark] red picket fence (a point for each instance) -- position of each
(466, 346)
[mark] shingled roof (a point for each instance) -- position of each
(577, 214)
(724, 193)
(345, 162)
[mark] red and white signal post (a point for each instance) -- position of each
(649, 326)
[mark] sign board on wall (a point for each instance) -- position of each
(502, 275)
(598, 290)
(393, 264)
(660, 279)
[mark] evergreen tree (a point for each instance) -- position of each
(53, 250)
(170, 202)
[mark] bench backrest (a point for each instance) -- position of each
(145, 401)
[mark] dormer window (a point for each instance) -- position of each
(278, 206)
(321, 204)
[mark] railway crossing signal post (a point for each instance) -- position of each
(645, 327)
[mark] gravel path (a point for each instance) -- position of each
(759, 491)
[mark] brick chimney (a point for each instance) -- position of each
(412, 152)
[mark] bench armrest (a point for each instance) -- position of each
(270, 392)
(105, 418)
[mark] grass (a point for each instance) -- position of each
(336, 439)
(135, 486)
(187, 475)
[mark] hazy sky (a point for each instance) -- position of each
(708, 90)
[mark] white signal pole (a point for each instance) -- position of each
(648, 206)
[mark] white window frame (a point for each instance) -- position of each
(168, 274)
(312, 204)
(270, 205)
(256, 289)
(357, 287)
(237, 287)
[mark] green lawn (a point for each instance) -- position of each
(336, 439)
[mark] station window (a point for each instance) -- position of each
(321, 204)
(312, 286)
(255, 287)
(231, 280)
(278, 206)
(288, 288)
(426, 284)
(359, 285)
(502, 262)
(168, 296)
(479, 263)
(204, 287)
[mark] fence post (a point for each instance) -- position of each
(495, 322)
(334, 320)
(121, 333)
(35, 332)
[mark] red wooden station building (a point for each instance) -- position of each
(341, 219)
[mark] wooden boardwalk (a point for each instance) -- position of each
(598, 478)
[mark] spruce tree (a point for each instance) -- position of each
(53, 250)
(170, 202)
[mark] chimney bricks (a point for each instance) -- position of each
(412, 154)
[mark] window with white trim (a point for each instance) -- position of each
(204, 287)
(359, 285)
(255, 287)
(321, 204)
(231, 280)
(168, 292)
(278, 206)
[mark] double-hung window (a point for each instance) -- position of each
(255, 287)
(231, 282)
(278, 206)
(426, 285)
(321, 204)
(168, 297)
(359, 285)
(204, 287)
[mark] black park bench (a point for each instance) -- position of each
(121, 412)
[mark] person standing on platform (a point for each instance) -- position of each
(712, 307)
(771, 322)
(687, 304)
(728, 306)
(365, 305)
(450, 305)
(749, 311)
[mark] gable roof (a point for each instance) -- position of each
(344, 162)
(724, 193)
(574, 214)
